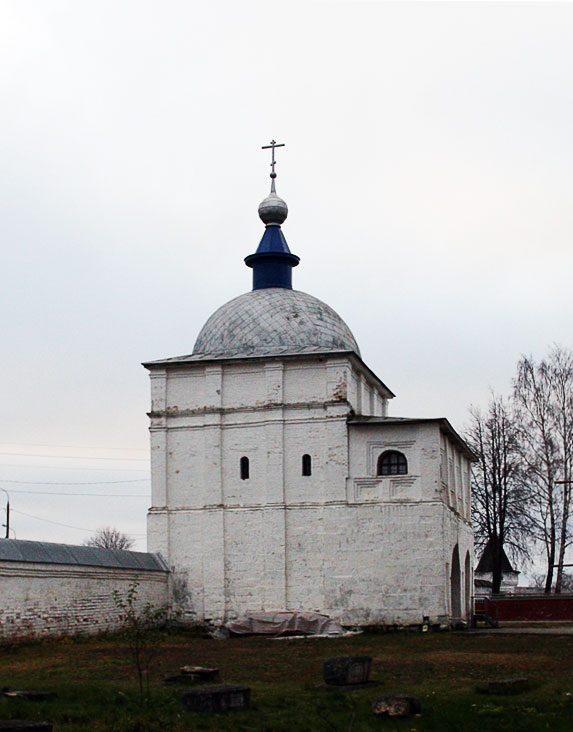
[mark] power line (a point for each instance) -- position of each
(73, 457)
(77, 468)
(57, 523)
(59, 482)
(82, 447)
(61, 493)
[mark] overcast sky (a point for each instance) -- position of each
(427, 168)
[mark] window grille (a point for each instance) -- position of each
(392, 462)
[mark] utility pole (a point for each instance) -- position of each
(560, 564)
(7, 524)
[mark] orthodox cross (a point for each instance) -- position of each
(273, 145)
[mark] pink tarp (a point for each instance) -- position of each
(285, 623)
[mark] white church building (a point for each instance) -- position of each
(279, 482)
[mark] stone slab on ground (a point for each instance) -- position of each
(400, 705)
(188, 675)
(200, 672)
(30, 695)
(507, 686)
(347, 670)
(222, 698)
(21, 725)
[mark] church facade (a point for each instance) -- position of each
(279, 482)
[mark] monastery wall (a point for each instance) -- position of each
(40, 599)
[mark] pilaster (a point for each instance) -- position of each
(274, 529)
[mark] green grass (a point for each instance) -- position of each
(97, 687)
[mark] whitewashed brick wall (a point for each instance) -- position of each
(54, 599)
(342, 541)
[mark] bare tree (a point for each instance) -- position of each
(110, 538)
(561, 372)
(543, 396)
(500, 497)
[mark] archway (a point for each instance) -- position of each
(455, 584)
(468, 585)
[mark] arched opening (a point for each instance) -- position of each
(455, 584)
(306, 465)
(244, 468)
(468, 584)
(392, 462)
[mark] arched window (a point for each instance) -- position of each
(456, 590)
(306, 465)
(244, 463)
(392, 462)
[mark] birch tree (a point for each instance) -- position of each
(543, 397)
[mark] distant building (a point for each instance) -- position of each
(484, 570)
(279, 482)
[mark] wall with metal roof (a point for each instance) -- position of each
(43, 552)
(60, 589)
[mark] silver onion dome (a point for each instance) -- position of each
(273, 210)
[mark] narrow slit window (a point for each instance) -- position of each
(392, 462)
(244, 465)
(306, 465)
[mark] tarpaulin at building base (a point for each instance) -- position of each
(285, 623)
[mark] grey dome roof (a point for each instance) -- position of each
(273, 210)
(274, 321)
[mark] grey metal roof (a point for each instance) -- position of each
(271, 321)
(43, 552)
